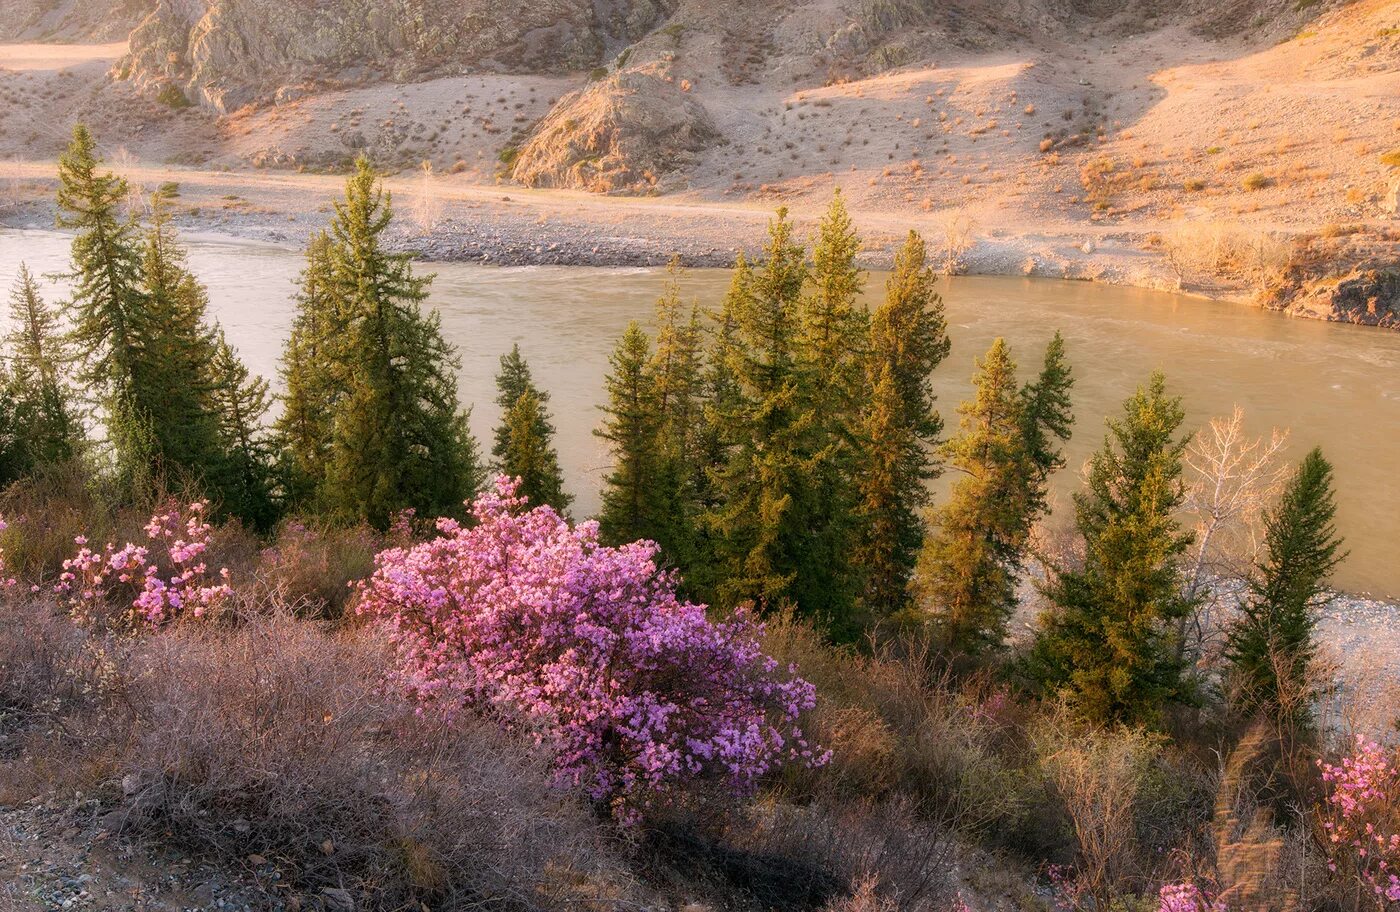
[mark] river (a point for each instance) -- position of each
(1331, 385)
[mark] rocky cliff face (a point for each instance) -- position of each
(228, 53)
(70, 20)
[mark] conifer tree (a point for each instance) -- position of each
(110, 321)
(1046, 421)
(1271, 646)
(243, 476)
(529, 456)
(1108, 642)
(967, 571)
(833, 333)
(677, 378)
(45, 424)
(908, 340)
(398, 438)
(174, 395)
(524, 445)
(313, 372)
(633, 490)
(764, 492)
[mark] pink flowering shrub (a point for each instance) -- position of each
(155, 582)
(588, 650)
(1361, 820)
(1187, 897)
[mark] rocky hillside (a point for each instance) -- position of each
(70, 20)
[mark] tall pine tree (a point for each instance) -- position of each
(1271, 646)
(45, 422)
(633, 493)
(1108, 642)
(243, 475)
(763, 487)
(174, 397)
(524, 447)
(313, 371)
(908, 340)
(398, 439)
(967, 572)
(110, 318)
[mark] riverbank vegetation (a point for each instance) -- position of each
(343, 648)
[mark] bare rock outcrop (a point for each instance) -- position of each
(623, 133)
(70, 20)
(228, 53)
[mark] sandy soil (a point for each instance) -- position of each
(998, 140)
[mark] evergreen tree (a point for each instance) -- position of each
(908, 340)
(1271, 646)
(44, 422)
(831, 354)
(313, 372)
(967, 571)
(398, 438)
(676, 375)
(764, 491)
(529, 456)
(1046, 422)
(633, 491)
(174, 395)
(243, 477)
(110, 321)
(526, 451)
(1108, 642)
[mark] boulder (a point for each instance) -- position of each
(624, 133)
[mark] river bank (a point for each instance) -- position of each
(456, 221)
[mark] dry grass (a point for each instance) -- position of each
(275, 739)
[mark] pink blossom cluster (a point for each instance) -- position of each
(588, 650)
(159, 581)
(1187, 897)
(1361, 818)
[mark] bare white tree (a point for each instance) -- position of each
(1231, 479)
(136, 203)
(13, 184)
(427, 202)
(959, 231)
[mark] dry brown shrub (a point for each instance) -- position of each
(275, 738)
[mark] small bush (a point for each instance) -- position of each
(1392, 159)
(173, 98)
(1193, 185)
(1256, 181)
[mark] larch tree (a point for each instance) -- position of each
(109, 316)
(764, 489)
(908, 340)
(1271, 646)
(633, 491)
(967, 571)
(399, 440)
(45, 421)
(174, 397)
(313, 371)
(524, 446)
(241, 401)
(1108, 642)
(529, 456)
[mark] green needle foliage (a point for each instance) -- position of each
(900, 427)
(524, 446)
(241, 401)
(42, 424)
(110, 318)
(398, 439)
(1271, 646)
(633, 495)
(313, 372)
(1109, 643)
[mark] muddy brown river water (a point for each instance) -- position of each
(1330, 385)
